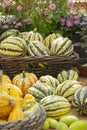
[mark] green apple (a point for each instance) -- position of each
(61, 126)
(45, 125)
(69, 119)
(79, 125)
(52, 123)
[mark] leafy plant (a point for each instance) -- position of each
(71, 23)
(83, 32)
(45, 14)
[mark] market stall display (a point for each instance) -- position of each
(41, 87)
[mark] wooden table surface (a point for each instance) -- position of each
(84, 83)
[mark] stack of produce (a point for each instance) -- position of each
(68, 122)
(15, 43)
(25, 94)
(14, 99)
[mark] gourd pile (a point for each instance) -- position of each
(21, 96)
(15, 43)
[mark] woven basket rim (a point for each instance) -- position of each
(52, 65)
(43, 57)
(39, 118)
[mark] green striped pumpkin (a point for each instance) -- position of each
(23, 35)
(37, 48)
(67, 75)
(13, 46)
(10, 32)
(80, 101)
(62, 47)
(40, 90)
(55, 106)
(50, 38)
(68, 88)
(33, 36)
(50, 80)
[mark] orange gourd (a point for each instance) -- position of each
(17, 113)
(24, 80)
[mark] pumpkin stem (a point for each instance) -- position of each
(35, 30)
(1, 72)
(24, 76)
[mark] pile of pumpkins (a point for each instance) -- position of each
(15, 43)
(57, 95)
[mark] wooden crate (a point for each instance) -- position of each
(80, 5)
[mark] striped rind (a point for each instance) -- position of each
(13, 46)
(50, 38)
(37, 48)
(40, 90)
(23, 35)
(10, 32)
(50, 80)
(33, 36)
(67, 75)
(68, 88)
(55, 106)
(61, 46)
(80, 100)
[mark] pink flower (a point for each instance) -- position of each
(62, 24)
(45, 13)
(52, 6)
(19, 24)
(38, 9)
(19, 8)
(70, 4)
(69, 23)
(5, 26)
(14, 22)
(62, 20)
(27, 21)
(77, 17)
(5, 3)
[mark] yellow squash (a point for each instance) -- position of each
(27, 100)
(6, 104)
(28, 97)
(12, 90)
(4, 79)
(17, 113)
(1, 120)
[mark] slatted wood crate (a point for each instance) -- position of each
(80, 5)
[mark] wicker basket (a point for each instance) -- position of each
(33, 123)
(54, 64)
